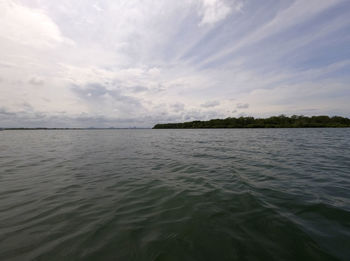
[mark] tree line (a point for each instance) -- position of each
(281, 121)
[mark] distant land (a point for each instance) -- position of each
(281, 121)
(90, 128)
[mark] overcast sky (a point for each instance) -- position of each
(136, 63)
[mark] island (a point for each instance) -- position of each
(281, 121)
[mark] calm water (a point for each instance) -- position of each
(267, 194)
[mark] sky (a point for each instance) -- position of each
(135, 63)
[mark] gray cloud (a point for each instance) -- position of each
(111, 62)
(242, 106)
(138, 89)
(96, 93)
(202, 115)
(210, 104)
(5, 112)
(36, 81)
(178, 106)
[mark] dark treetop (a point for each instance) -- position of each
(272, 122)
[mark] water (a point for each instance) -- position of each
(264, 194)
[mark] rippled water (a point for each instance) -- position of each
(263, 194)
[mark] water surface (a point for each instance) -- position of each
(249, 194)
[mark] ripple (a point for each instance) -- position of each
(175, 195)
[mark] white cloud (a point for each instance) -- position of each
(307, 98)
(27, 26)
(298, 12)
(213, 11)
(127, 67)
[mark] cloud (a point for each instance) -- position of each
(297, 12)
(137, 89)
(210, 104)
(101, 100)
(4, 111)
(242, 106)
(36, 81)
(326, 98)
(213, 11)
(116, 63)
(178, 107)
(28, 26)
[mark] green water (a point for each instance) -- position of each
(263, 194)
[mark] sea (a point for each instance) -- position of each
(199, 194)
